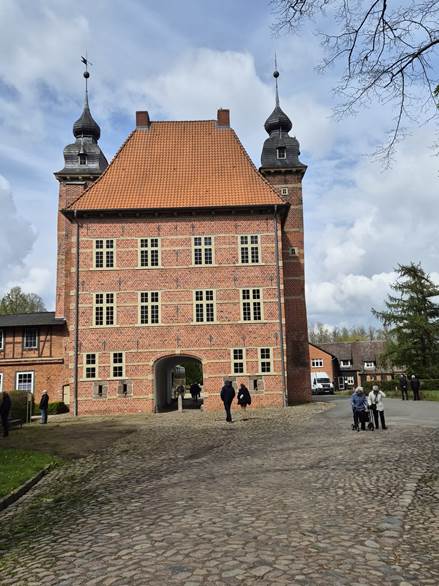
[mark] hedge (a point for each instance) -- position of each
(389, 385)
(54, 408)
(19, 405)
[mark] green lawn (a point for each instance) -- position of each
(17, 466)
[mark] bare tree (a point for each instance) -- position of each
(387, 51)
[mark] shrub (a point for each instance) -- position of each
(53, 409)
(20, 408)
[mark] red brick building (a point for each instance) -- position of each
(32, 353)
(321, 360)
(181, 249)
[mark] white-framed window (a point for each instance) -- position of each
(24, 381)
(91, 365)
(249, 249)
(369, 364)
(203, 250)
(2, 340)
(104, 254)
(281, 152)
(317, 362)
(284, 190)
(117, 364)
(251, 305)
(238, 360)
(1, 382)
(204, 300)
(104, 309)
(149, 307)
(30, 338)
(265, 360)
(149, 252)
(349, 380)
(345, 363)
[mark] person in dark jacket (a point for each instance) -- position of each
(415, 384)
(359, 409)
(244, 397)
(195, 391)
(227, 396)
(5, 409)
(44, 404)
(403, 386)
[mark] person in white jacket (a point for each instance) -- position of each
(375, 402)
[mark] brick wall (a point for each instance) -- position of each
(177, 334)
(298, 372)
(45, 362)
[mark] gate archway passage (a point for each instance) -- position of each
(169, 373)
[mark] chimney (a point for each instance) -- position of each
(142, 120)
(223, 117)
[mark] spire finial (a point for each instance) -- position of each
(276, 75)
(86, 75)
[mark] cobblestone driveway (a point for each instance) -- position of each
(288, 497)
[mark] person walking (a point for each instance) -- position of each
(44, 404)
(359, 408)
(195, 391)
(5, 409)
(403, 386)
(244, 398)
(180, 390)
(375, 402)
(415, 384)
(227, 396)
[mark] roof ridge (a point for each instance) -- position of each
(72, 203)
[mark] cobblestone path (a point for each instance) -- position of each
(287, 497)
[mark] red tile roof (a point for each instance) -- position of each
(193, 164)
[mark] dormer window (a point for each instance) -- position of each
(281, 152)
(82, 159)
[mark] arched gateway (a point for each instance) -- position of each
(167, 376)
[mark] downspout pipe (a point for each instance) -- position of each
(279, 308)
(76, 324)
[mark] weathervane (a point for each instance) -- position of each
(276, 75)
(86, 72)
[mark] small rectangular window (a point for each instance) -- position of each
(117, 365)
(345, 363)
(202, 250)
(265, 360)
(249, 246)
(30, 338)
(204, 306)
(251, 307)
(90, 366)
(317, 362)
(100, 390)
(104, 254)
(149, 252)
(284, 191)
(149, 307)
(238, 360)
(104, 310)
(82, 159)
(24, 381)
(369, 364)
(281, 152)
(2, 340)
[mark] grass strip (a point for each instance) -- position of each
(18, 466)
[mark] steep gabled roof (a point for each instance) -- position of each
(190, 164)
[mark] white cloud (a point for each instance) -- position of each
(16, 235)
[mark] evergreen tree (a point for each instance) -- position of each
(411, 319)
(16, 301)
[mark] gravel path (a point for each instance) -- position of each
(288, 497)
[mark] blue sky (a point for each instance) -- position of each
(183, 61)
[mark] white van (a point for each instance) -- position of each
(321, 384)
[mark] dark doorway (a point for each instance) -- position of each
(169, 373)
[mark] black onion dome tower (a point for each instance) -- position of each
(280, 151)
(84, 159)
